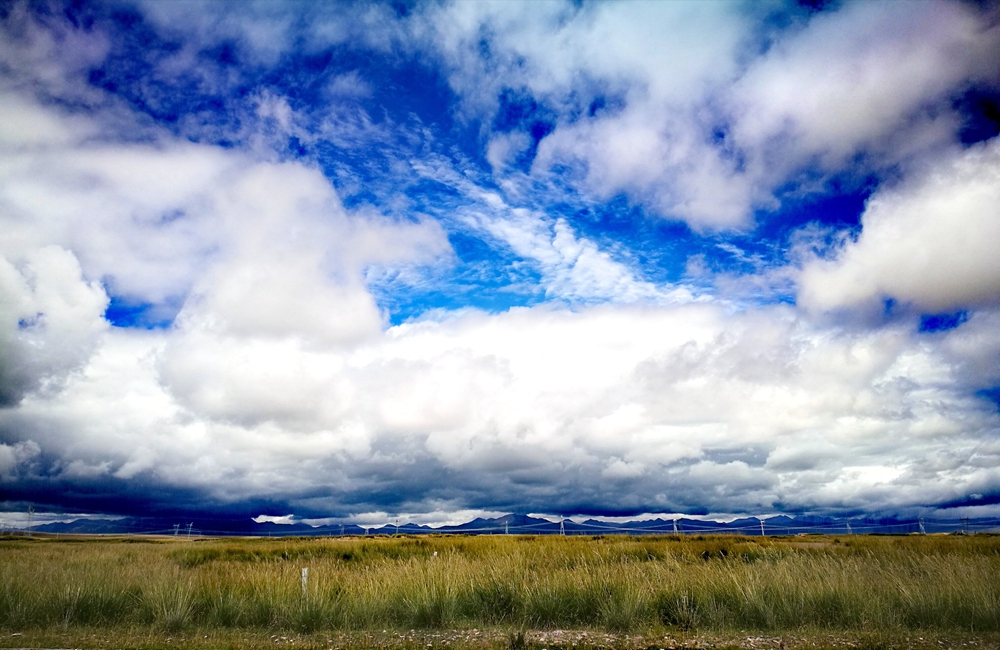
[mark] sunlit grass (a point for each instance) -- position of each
(618, 584)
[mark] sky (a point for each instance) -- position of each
(351, 261)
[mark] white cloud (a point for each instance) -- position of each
(974, 348)
(149, 220)
(504, 148)
(702, 117)
(573, 268)
(930, 242)
(13, 458)
(858, 79)
(349, 85)
(261, 31)
(138, 217)
(660, 59)
(279, 378)
(50, 59)
(255, 250)
(645, 403)
(50, 320)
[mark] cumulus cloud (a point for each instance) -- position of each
(651, 409)
(51, 318)
(16, 458)
(656, 62)
(861, 79)
(137, 217)
(929, 242)
(690, 110)
(258, 252)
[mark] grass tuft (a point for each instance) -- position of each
(618, 584)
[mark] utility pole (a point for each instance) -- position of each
(920, 522)
(849, 531)
(189, 529)
(506, 530)
(176, 528)
(562, 526)
(675, 525)
(762, 528)
(965, 525)
(341, 530)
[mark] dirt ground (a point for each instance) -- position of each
(475, 639)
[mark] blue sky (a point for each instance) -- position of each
(352, 260)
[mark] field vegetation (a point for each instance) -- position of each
(687, 585)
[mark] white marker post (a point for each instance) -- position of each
(305, 579)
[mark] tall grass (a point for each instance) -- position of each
(618, 584)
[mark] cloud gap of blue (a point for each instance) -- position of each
(124, 313)
(481, 277)
(839, 205)
(979, 109)
(403, 92)
(942, 322)
(655, 249)
(407, 92)
(220, 95)
(521, 112)
(991, 394)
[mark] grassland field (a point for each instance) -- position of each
(501, 592)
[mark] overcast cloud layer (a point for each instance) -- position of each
(609, 258)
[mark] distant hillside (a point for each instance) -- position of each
(522, 525)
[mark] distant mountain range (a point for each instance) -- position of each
(524, 525)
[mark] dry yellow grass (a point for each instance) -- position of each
(618, 584)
